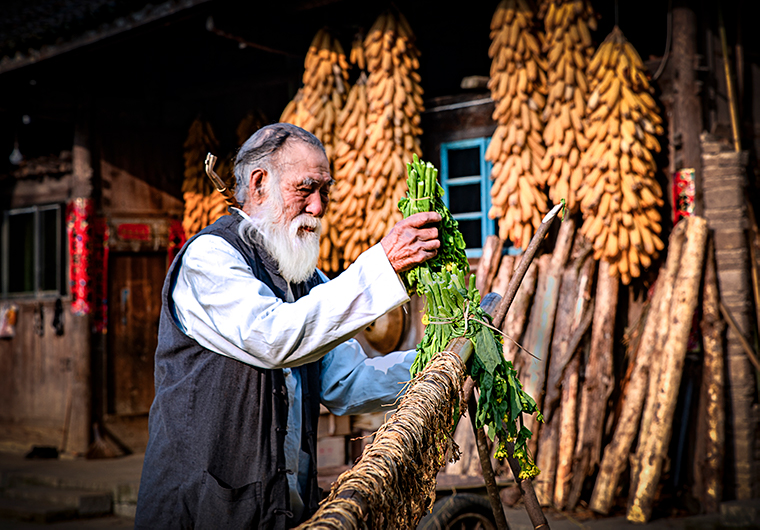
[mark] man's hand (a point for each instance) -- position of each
(410, 242)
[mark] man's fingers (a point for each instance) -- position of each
(427, 234)
(423, 218)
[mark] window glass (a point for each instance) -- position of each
(21, 256)
(471, 231)
(465, 199)
(49, 237)
(464, 162)
(31, 252)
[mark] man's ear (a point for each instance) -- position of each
(257, 185)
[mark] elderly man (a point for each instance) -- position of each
(252, 338)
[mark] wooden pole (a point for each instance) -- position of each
(655, 435)
(489, 477)
(598, 384)
(572, 306)
(539, 333)
(489, 263)
(687, 104)
(708, 464)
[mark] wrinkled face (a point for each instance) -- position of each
(305, 182)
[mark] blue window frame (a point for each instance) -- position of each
(466, 179)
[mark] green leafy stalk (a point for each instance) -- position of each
(452, 309)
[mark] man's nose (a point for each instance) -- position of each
(314, 205)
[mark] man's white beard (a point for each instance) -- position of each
(296, 251)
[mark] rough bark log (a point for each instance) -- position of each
(654, 439)
(598, 383)
(506, 268)
(617, 451)
(488, 265)
(538, 335)
(708, 465)
(514, 323)
(574, 302)
(568, 432)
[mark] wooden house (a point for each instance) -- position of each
(98, 97)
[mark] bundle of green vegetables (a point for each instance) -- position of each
(452, 309)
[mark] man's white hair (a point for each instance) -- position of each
(295, 250)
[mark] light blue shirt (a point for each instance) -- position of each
(220, 304)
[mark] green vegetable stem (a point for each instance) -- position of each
(452, 309)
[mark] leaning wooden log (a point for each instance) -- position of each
(616, 453)
(567, 413)
(501, 281)
(573, 304)
(709, 450)
(532, 368)
(514, 322)
(655, 436)
(598, 383)
(572, 307)
(488, 265)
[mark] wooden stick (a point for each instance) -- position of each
(489, 263)
(539, 333)
(485, 463)
(598, 384)
(567, 414)
(616, 453)
(527, 259)
(654, 438)
(709, 451)
(744, 342)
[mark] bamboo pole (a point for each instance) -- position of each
(655, 436)
(616, 453)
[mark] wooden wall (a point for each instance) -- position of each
(45, 379)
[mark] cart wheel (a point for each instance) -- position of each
(460, 511)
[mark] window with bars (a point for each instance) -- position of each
(466, 179)
(31, 251)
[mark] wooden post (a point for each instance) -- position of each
(655, 434)
(687, 105)
(80, 426)
(708, 465)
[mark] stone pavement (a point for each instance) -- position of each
(121, 477)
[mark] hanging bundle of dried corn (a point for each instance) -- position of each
(349, 197)
(619, 195)
(394, 103)
(320, 99)
(518, 86)
(197, 190)
(568, 47)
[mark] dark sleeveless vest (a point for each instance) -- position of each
(215, 455)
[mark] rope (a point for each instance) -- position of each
(393, 483)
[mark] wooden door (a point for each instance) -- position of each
(134, 306)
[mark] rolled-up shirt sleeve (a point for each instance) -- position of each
(222, 305)
(353, 383)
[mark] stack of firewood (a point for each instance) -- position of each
(560, 334)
